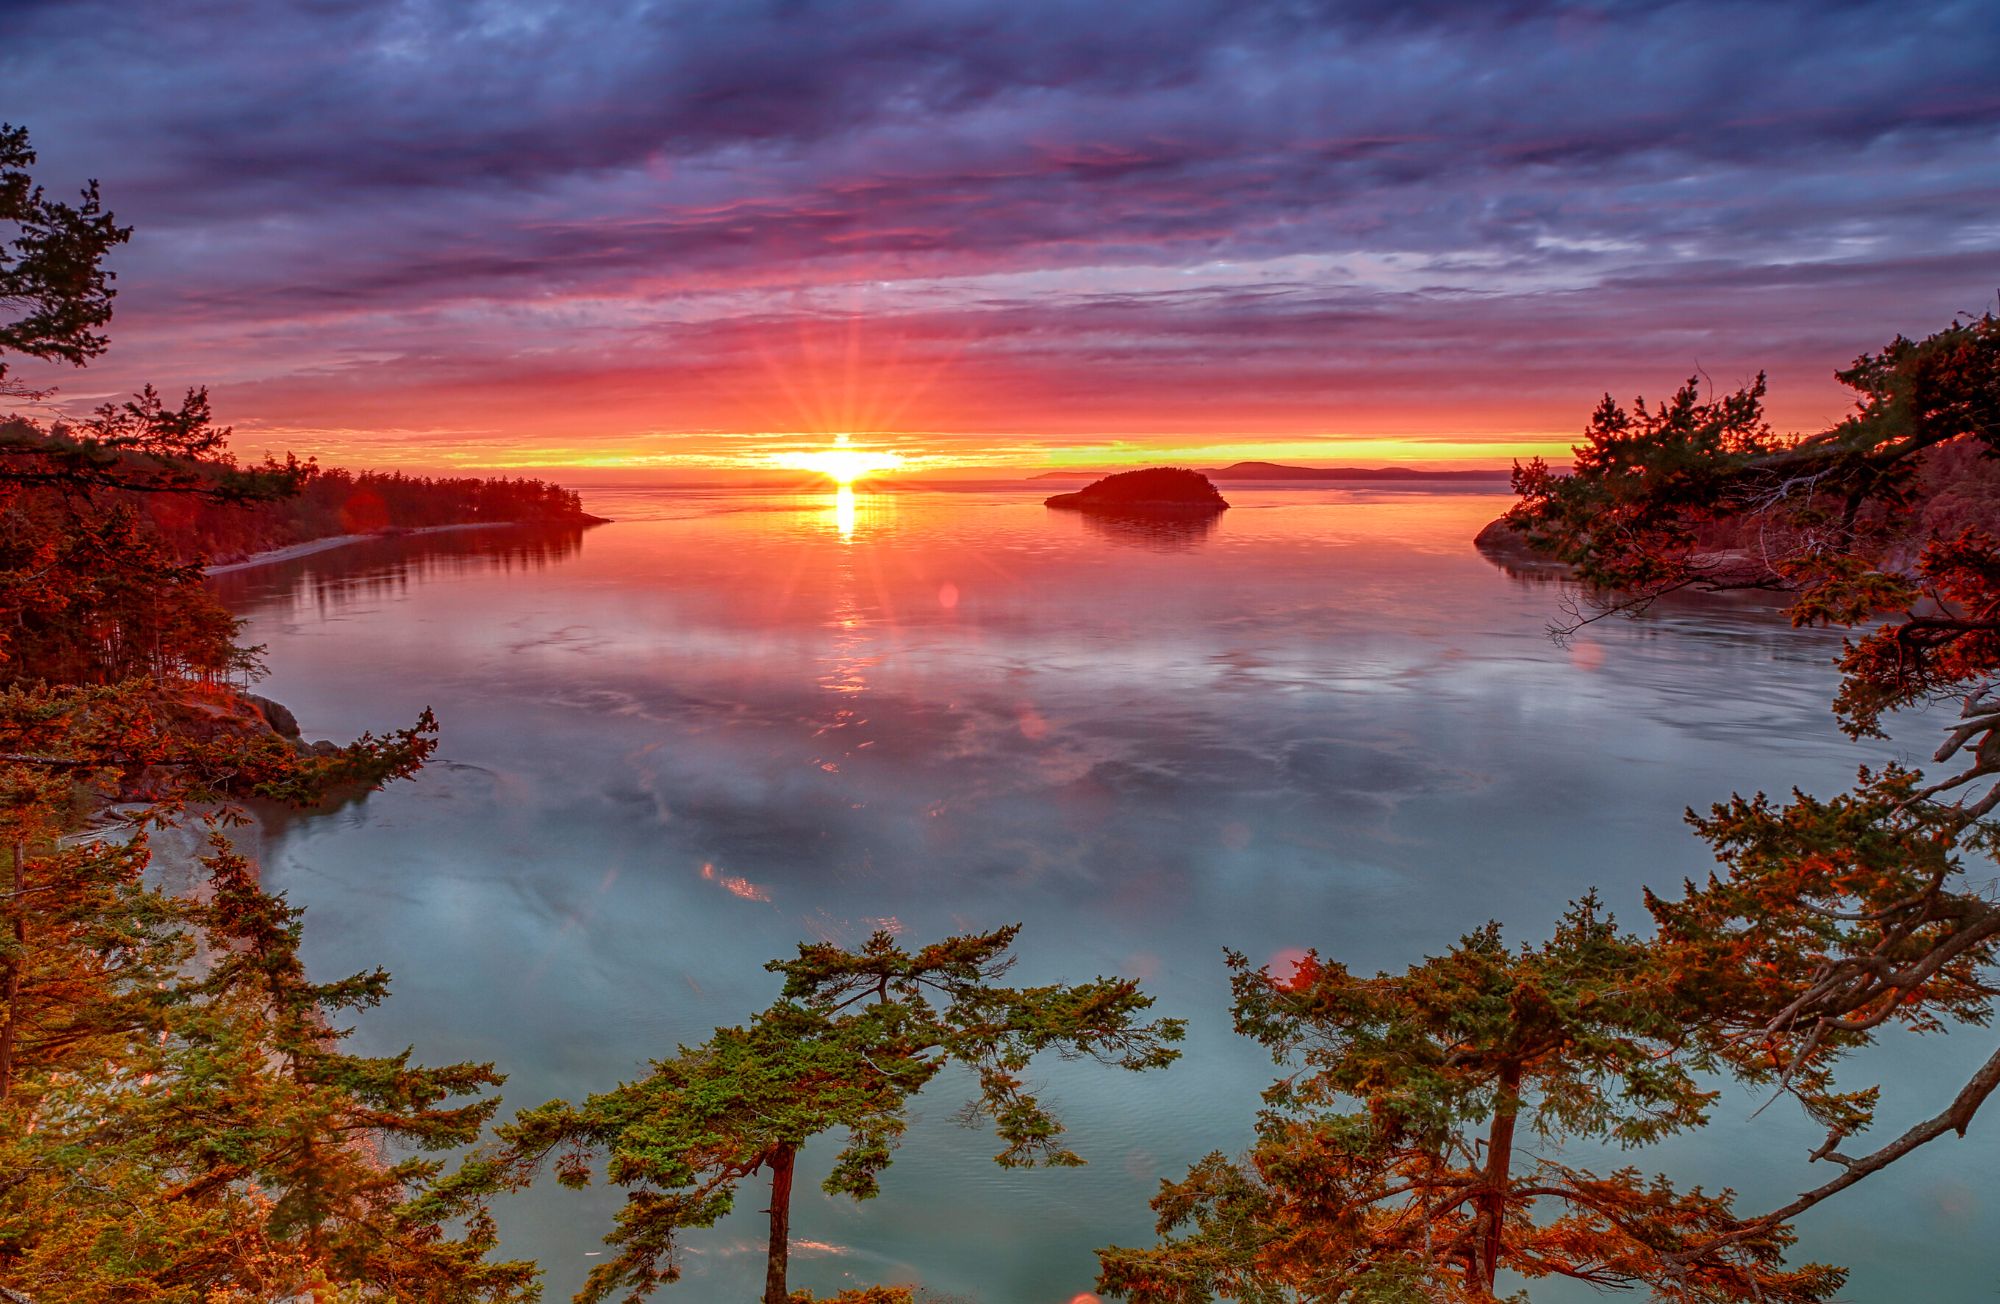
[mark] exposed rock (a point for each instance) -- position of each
(1500, 543)
(1500, 536)
(276, 714)
(1722, 568)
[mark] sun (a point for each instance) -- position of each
(841, 463)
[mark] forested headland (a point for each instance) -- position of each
(1944, 490)
(318, 502)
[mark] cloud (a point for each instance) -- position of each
(1068, 218)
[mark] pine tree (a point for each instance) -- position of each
(1833, 920)
(178, 1120)
(853, 1037)
(217, 1142)
(1409, 1154)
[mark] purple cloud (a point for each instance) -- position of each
(1291, 212)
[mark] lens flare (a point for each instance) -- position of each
(842, 463)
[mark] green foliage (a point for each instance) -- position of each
(195, 1132)
(853, 1036)
(1647, 483)
(178, 1120)
(1832, 920)
(1387, 1164)
(1700, 493)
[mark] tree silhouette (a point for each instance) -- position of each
(52, 274)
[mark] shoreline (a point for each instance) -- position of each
(292, 552)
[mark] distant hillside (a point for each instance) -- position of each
(1279, 471)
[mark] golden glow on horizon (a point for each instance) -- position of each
(948, 453)
(842, 463)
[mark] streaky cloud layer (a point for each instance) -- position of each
(521, 233)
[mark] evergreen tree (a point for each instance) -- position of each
(178, 1121)
(52, 272)
(853, 1036)
(1409, 1155)
(1833, 919)
(223, 1146)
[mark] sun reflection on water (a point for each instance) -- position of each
(843, 511)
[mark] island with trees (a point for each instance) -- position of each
(1154, 491)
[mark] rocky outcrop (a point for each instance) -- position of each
(1506, 547)
(1500, 538)
(1720, 568)
(217, 713)
(276, 714)
(202, 715)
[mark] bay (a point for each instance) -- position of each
(675, 746)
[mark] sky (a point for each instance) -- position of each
(663, 237)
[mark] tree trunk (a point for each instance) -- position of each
(780, 1164)
(11, 993)
(1492, 1202)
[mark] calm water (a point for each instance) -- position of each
(677, 745)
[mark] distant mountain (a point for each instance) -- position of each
(1278, 471)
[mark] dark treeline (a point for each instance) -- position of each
(216, 524)
(105, 526)
(332, 501)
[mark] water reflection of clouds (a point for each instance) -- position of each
(1093, 791)
(1307, 731)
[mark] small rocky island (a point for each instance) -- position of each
(1155, 491)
